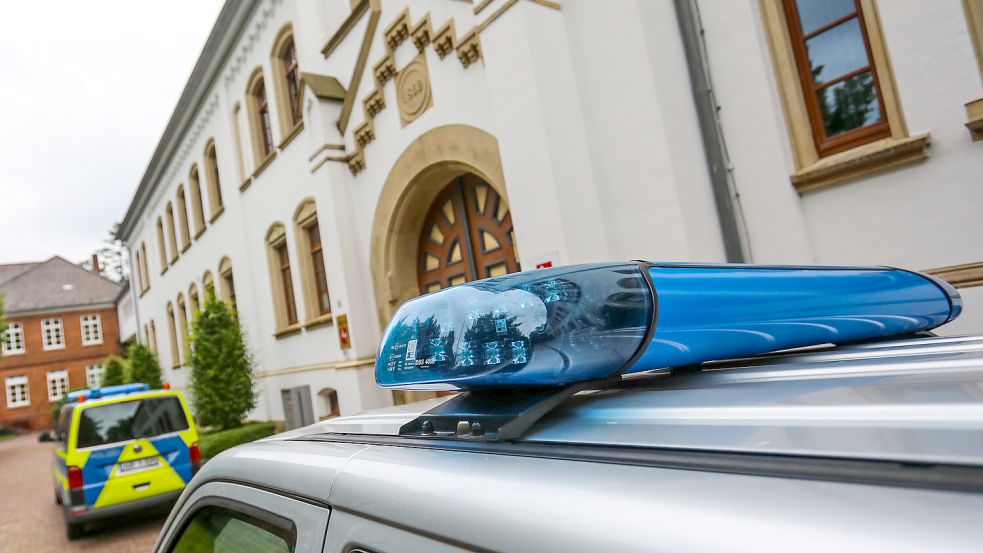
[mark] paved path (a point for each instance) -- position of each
(31, 522)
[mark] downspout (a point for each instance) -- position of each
(736, 246)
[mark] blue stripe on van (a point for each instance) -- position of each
(97, 469)
(176, 453)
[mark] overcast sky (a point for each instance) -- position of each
(86, 89)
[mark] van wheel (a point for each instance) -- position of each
(73, 531)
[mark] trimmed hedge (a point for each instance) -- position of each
(214, 442)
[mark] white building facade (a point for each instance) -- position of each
(330, 160)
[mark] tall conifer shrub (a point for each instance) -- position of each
(221, 368)
(143, 367)
(115, 371)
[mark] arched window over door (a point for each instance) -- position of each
(329, 403)
(467, 235)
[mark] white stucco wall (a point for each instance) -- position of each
(920, 216)
(601, 152)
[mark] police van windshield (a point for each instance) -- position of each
(118, 422)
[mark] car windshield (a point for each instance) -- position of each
(118, 422)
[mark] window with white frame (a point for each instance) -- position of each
(57, 384)
(12, 340)
(91, 330)
(53, 334)
(93, 375)
(18, 392)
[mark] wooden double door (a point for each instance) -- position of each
(467, 235)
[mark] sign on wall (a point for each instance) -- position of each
(344, 338)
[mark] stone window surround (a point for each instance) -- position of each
(14, 335)
(94, 374)
(813, 172)
(261, 159)
(974, 109)
(208, 285)
(182, 328)
(288, 128)
(57, 384)
(197, 202)
(152, 341)
(172, 328)
(12, 384)
(194, 299)
(181, 201)
(91, 329)
(305, 217)
(226, 281)
(276, 237)
(138, 267)
(213, 180)
(146, 269)
(161, 245)
(171, 233)
(57, 330)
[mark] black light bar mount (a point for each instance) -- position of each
(494, 415)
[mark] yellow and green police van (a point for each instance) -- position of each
(120, 449)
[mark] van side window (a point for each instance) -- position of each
(64, 422)
(221, 530)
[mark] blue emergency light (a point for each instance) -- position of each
(555, 327)
(98, 393)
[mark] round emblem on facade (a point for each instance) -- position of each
(413, 90)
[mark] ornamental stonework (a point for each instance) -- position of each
(413, 93)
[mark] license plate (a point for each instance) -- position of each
(138, 464)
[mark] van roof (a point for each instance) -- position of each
(118, 398)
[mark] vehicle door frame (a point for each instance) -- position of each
(309, 519)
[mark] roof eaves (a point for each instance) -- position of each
(325, 86)
(221, 41)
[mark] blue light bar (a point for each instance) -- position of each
(554, 327)
(97, 393)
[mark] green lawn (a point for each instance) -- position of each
(214, 442)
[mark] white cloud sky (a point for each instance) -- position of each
(85, 92)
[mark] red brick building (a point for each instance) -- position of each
(62, 327)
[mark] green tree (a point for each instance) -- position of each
(115, 371)
(221, 368)
(143, 367)
(112, 258)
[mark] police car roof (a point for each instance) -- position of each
(910, 400)
(762, 430)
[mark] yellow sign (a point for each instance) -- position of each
(344, 338)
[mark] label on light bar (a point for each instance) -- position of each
(548, 327)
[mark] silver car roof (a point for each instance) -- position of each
(917, 400)
(862, 409)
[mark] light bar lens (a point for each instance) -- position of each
(543, 328)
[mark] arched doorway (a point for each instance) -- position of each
(466, 235)
(423, 172)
